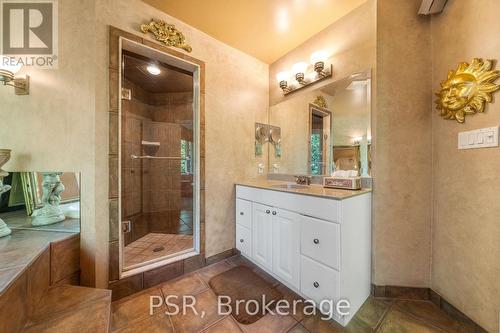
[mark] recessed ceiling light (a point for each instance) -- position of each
(153, 70)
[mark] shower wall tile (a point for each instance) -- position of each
(202, 139)
(132, 132)
(202, 206)
(113, 93)
(136, 203)
(162, 274)
(194, 263)
(113, 176)
(113, 260)
(125, 287)
(114, 35)
(113, 130)
(140, 226)
(113, 220)
(166, 221)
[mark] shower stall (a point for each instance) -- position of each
(159, 154)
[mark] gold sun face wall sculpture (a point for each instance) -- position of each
(467, 89)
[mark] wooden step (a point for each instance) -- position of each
(71, 309)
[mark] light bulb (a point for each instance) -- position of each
(153, 70)
(299, 67)
(283, 76)
(318, 56)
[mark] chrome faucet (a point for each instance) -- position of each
(303, 180)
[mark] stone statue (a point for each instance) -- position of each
(50, 212)
(4, 157)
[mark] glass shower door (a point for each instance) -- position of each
(157, 161)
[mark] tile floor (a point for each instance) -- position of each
(380, 315)
(155, 245)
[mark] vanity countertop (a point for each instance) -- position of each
(313, 189)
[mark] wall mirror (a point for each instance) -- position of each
(325, 129)
(41, 200)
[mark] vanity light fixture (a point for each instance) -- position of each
(8, 70)
(318, 59)
(299, 71)
(282, 78)
(153, 69)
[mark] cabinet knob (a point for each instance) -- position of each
(242, 240)
(316, 284)
(316, 241)
(274, 213)
(241, 213)
(268, 211)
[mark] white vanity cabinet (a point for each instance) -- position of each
(262, 232)
(320, 247)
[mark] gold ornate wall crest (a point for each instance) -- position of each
(467, 89)
(320, 101)
(166, 33)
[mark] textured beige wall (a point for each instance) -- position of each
(63, 123)
(54, 127)
(402, 168)
(466, 223)
(350, 41)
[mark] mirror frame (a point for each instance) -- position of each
(313, 108)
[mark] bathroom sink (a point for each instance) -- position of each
(290, 186)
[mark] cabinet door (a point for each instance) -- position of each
(244, 213)
(320, 240)
(244, 240)
(319, 282)
(286, 246)
(262, 229)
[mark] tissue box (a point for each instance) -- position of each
(347, 183)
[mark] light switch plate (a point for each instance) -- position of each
(480, 138)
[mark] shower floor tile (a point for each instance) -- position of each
(155, 245)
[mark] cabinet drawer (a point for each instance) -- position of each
(244, 213)
(319, 282)
(244, 240)
(320, 240)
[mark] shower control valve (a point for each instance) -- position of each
(126, 226)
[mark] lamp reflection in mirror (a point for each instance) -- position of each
(8, 69)
(357, 140)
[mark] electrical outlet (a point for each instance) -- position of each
(260, 168)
